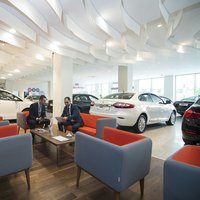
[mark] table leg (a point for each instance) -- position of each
(58, 154)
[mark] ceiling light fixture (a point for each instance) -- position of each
(138, 57)
(3, 77)
(10, 74)
(180, 49)
(12, 30)
(16, 70)
(159, 25)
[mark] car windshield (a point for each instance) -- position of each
(193, 98)
(120, 96)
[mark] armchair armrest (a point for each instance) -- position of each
(101, 123)
(15, 153)
(8, 130)
(4, 123)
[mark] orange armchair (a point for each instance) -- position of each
(1, 118)
(7, 129)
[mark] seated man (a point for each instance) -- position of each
(37, 114)
(71, 116)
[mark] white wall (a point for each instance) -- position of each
(22, 85)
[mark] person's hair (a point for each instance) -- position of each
(68, 98)
(42, 97)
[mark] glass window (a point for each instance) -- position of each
(184, 86)
(145, 85)
(156, 99)
(158, 86)
(92, 98)
(145, 97)
(8, 96)
(119, 96)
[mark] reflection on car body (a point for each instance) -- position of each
(134, 109)
(191, 124)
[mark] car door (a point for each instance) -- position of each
(159, 107)
(8, 105)
(147, 106)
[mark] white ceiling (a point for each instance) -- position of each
(99, 35)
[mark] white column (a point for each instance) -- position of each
(125, 74)
(136, 85)
(169, 87)
(62, 82)
(50, 89)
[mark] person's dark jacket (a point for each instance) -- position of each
(74, 116)
(33, 112)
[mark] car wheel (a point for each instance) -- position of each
(141, 124)
(172, 119)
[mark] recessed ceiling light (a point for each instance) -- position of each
(138, 57)
(12, 30)
(39, 57)
(159, 25)
(3, 77)
(17, 70)
(10, 74)
(180, 49)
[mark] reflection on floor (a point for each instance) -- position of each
(166, 139)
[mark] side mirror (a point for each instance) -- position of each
(167, 102)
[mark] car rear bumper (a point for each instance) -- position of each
(122, 118)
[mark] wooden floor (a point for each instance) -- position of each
(58, 183)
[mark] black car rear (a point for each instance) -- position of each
(83, 101)
(184, 104)
(191, 124)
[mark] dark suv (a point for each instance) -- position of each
(83, 101)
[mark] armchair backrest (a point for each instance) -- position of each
(119, 137)
(8, 130)
(15, 153)
(1, 118)
(90, 120)
(22, 119)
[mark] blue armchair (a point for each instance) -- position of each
(16, 155)
(119, 159)
(182, 174)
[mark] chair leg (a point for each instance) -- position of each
(18, 129)
(117, 195)
(28, 178)
(78, 176)
(142, 186)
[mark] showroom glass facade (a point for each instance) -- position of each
(154, 85)
(187, 85)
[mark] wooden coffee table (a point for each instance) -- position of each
(48, 137)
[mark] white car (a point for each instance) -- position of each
(11, 104)
(133, 109)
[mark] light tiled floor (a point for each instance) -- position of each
(166, 139)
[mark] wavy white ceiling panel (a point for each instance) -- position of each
(30, 12)
(76, 11)
(142, 11)
(65, 41)
(17, 24)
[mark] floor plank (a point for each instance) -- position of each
(59, 183)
